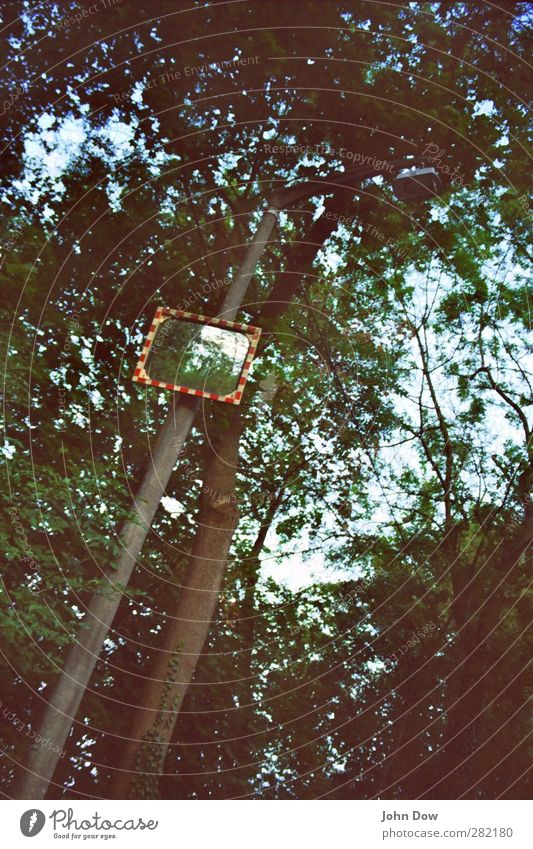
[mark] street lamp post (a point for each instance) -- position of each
(61, 710)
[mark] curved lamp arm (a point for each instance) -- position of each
(287, 195)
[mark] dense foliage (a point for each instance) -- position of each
(370, 638)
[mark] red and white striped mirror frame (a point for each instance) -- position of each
(161, 314)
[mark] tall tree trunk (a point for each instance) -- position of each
(187, 631)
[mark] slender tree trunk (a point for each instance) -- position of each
(187, 631)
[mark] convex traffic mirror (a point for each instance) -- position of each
(198, 355)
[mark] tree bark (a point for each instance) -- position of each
(187, 631)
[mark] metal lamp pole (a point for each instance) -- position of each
(82, 656)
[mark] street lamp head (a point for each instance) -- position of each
(417, 184)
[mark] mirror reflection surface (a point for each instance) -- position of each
(198, 356)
